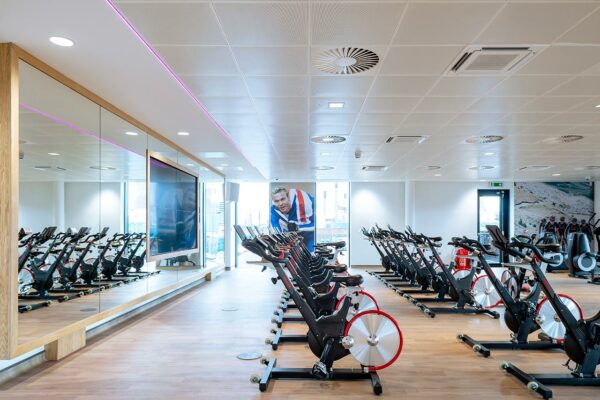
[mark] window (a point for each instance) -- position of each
(333, 213)
(214, 224)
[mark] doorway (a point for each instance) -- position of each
(493, 208)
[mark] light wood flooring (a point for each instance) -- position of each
(187, 347)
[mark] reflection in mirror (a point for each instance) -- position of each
(59, 205)
(214, 219)
(123, 267)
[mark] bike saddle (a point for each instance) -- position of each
(553, 247)
(350, 280)
(338, 268)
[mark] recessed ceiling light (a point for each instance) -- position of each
(61, 41)
(489, 153)
(183, 133)
(189, 164)
(224, 165)
(437, 175)
(324, 168)
(239, 168)
(131, 133)
(53, 154)
(328, 139)
(482, 180)
(325, 154)
(336, 104)
(555, 174)
(598, 106)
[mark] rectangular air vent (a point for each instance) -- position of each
(374, 168)
(406, 139)
(478, 60)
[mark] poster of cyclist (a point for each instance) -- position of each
(293, 209)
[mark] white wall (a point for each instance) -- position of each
(94, 205)
(449, 209)
(37, 205)
(370, 203)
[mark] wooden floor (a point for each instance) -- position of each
(186, 349)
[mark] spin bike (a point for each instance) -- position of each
(582, 336)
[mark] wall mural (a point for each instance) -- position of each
(293, 209)
(553, 207)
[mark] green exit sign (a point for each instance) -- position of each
(496, 184)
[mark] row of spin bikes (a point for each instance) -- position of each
(342, 318)
(413, 266)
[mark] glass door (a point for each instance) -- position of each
(492, 209)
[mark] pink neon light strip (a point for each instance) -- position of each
(174, 76)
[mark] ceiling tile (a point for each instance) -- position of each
(436, 23)
(563, 60)
(464, 85)
(533, 23)
(585, 32)
(340, 86)
(277, 86)
(287, 118)
(343, 23)
(180, 23)
(217, 86)
(444, 104)
(373, 130)
(552, 104)
(588, 106)
(476, 119)
(199, 60)
(580, 86)
(402, 86)
(272, 60)
(527, 85)
(499, 104)
(407, 60)
(278, 23)
(430, 119)
(266, 105)
(525, 118)
(390, 104)
(326, 119)
(385, 119)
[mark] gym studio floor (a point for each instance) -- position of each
(187, 348)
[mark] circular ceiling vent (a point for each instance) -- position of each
(346, 60)
(429, 168)
(563, 139)
(484, 139)
(103, 168)
(324, 168)
(592, 167)
(327, 139)
(481, 167)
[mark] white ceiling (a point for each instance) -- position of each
(249, 64)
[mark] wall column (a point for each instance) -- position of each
(9, 197)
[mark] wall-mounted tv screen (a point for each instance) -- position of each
(172, 209)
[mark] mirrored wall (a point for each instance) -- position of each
(83, 210)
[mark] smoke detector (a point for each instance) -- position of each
(563, 139)
(346, 60)
(484, 139)
(406, 139)
(534, 168)
(374, 168)
(478, 60)
(328, 139)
